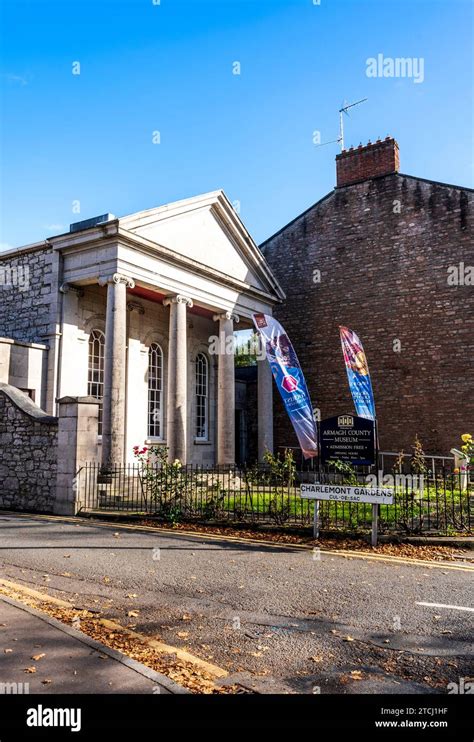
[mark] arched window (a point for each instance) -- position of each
(155, 391)
(95, 376)
(202, 398)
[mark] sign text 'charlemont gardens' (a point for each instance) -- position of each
(343, 493)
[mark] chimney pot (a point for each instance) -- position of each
(373, 160)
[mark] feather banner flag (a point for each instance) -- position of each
(290, 381)
(357, 373)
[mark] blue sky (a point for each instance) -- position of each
(169, 68)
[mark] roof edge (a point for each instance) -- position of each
(358, 182)
(303, 213)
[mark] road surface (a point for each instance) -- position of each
(279, 619)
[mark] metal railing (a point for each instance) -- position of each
(438, 503)
(386, 460)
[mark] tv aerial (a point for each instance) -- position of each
(343, 110)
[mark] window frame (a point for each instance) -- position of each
(96, 335)
(154, 346)
(205, 397)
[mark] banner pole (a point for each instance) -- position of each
(375, 508)
(318, 474)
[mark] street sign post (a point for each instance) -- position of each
(346, 493)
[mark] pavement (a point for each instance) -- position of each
(277, 618)
(42, 655)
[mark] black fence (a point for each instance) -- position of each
(437, 502)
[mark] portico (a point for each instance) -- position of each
(142, 298)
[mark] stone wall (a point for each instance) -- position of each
(377, 257)
(27, 294)
(28, 453)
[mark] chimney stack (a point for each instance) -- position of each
(362, 163)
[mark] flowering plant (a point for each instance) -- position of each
(468, 449)
(164, 483)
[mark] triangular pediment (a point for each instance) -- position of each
(207, 230)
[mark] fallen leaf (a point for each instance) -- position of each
(30, 669)
(132, 595)
(348, 639)
(37, 657)
(46, 682)
(133, 614)
(7, 651)
(183, 634)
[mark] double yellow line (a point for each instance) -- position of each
(160, 647)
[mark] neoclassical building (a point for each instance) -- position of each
(125, 310)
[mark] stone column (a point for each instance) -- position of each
(265, 405)
(176, 429)
(113, 414)
(226, 390)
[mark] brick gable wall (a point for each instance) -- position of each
(383, 248)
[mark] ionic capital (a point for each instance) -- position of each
(178, 299)
(117, 278)
(226, 316)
